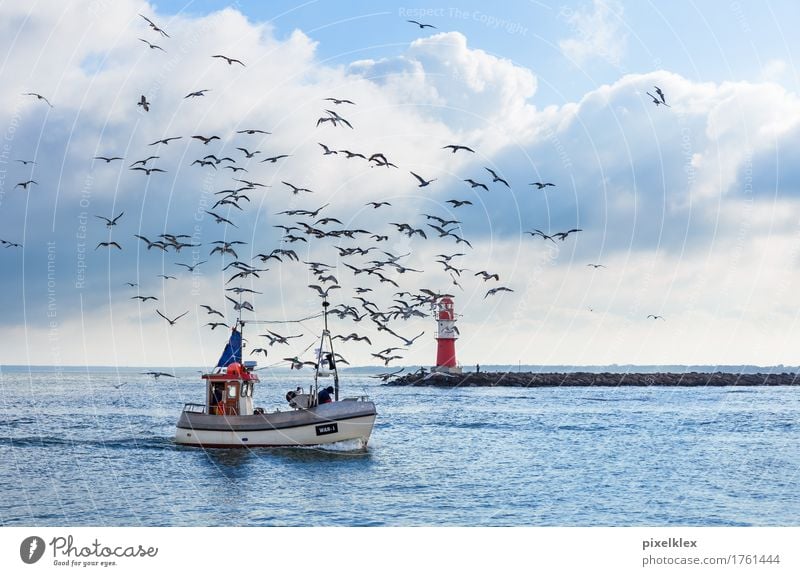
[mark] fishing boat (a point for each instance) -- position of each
(313, 417)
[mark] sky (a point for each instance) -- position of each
(687, 208)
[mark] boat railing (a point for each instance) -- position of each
(195, 408)
(363, 398)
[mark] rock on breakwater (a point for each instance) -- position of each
(537, 380)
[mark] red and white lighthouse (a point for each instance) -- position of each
(446, 335)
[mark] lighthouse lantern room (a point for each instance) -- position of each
(446, 335)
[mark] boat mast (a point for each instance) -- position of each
(331, 360)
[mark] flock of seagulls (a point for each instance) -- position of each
(361, 271)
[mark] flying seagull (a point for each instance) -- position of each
(660, 95)
(658, 102)
(165, 140)
(493, 291)
(156, 375)
(474, 184)
(153, 46)
(197, 93)
(495, 177)
(109, 245)
(206, 140)
(540, 185)
(455, 148)
(230, 61)
(154, 27)
(654, 317)
(422, 181)
(144, 103)
(38, 96)
(111, 221)
(421, 25)
(107, 158)
(171, 322)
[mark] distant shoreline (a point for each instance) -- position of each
(589, 379)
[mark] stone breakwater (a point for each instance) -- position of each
(538, 380)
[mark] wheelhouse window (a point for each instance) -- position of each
(245, 389)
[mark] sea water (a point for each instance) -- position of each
(94, 448)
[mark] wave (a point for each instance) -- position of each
(132, 443)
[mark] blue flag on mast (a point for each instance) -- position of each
(233, 350)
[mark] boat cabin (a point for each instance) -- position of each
(229, 392)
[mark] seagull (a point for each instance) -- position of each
(327, 151)
(8, 244)
(486, 276)
(660, 95)
(422, 181)
(171, 322)
(324, 293)
(274, 159)
(154, 27)
(148, 171)
(195, 94)
(377, 204)
(495, 177)
(211, 311)
(154, 46)
(157, 243)
(26, 162)
(215, 324)
(143, 298)
(540, 185)
(455, 148)
(206, 140)
(165, 140)
(144, 103)
(38, 96)
(252, 131)
(595, 266)
(157, 374)
(249, 154)
(295, 189)
(131, 284)
(166, 277)
(474, 184)
(109, 245)
(259, 351)
(340, 101)
(421, 26)
(240, 306)
(107, 159)
(493, 291)
(192, 267)
(458, 203)
(111, 221)
(658, 102)
(145, 161)
(654, 317)
(26, 184)
(230, 61)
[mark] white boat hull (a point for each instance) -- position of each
(324, 424)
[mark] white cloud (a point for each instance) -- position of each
(660, 193)
(599, 32)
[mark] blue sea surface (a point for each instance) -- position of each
(79, 449)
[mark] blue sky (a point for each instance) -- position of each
(689, 208)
